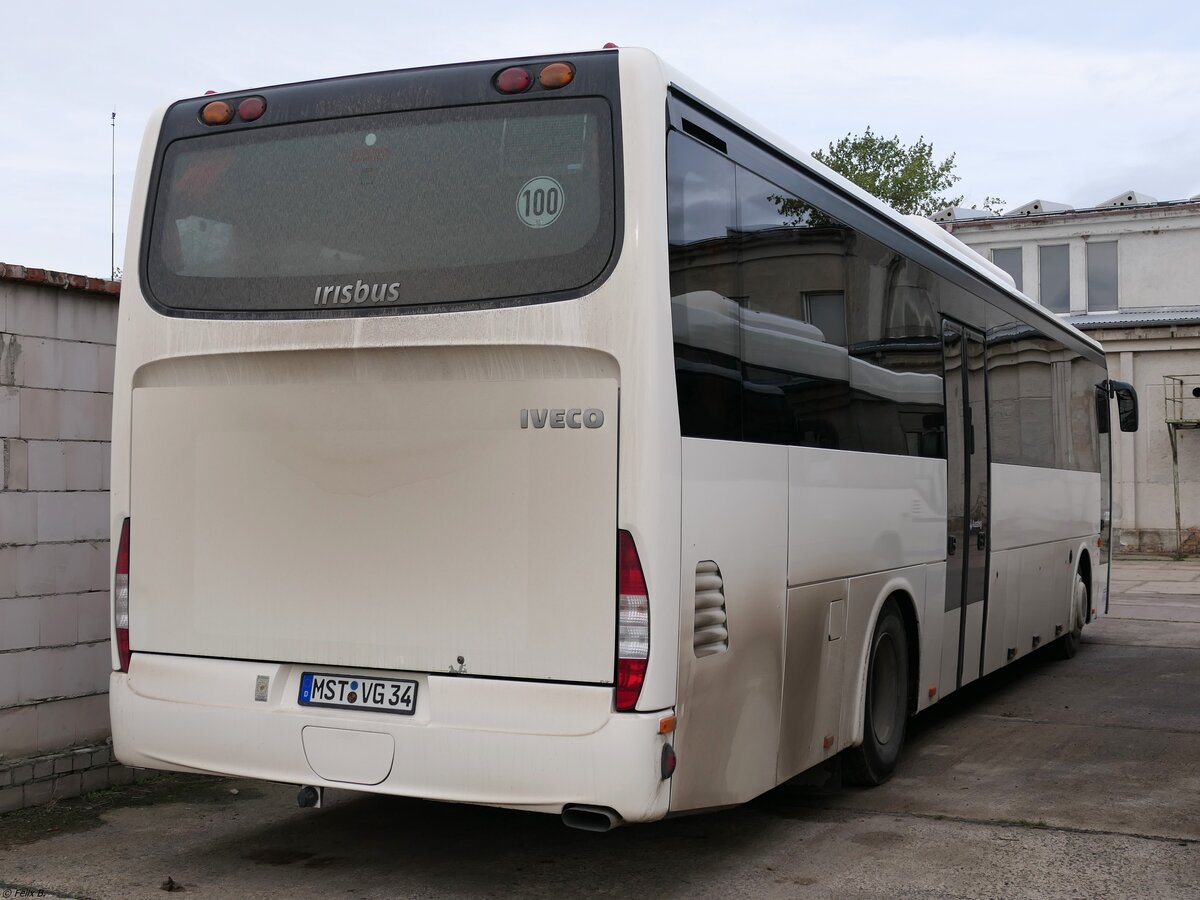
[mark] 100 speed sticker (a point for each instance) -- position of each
(540, 201)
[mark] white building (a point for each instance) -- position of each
(1127, 272)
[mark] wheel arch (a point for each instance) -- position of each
(900, 589)
(908, 609)
(1084, 568)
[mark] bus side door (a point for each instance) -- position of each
(967, 517)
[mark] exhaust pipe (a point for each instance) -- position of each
(590, 818)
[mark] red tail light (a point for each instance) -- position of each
(631, 674)
(121, 598)
(513, 80)
(251, 108)
(633, 623)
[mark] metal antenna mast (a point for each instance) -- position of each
(112, 206)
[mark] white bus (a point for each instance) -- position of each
(483, 434)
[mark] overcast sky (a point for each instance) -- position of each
(1055, 99)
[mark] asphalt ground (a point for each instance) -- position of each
(1076, 778)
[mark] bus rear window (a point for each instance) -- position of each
(476, 204)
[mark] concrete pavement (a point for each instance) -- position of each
(1076, 778)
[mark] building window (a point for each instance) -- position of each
(1102, 276)
(1055, 277)
(1009, 259)
(827, 311)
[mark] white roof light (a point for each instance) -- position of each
(1037, 207)
(960, 214)
(1128, 198)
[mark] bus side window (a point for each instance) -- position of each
(705, 313)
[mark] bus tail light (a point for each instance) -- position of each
(121, 598)
(513, 80)
(633, 623)
(251, 108)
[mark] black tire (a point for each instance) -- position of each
(1068, 645)
(885, 711)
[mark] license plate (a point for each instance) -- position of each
(356, 692)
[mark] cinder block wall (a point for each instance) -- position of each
(56, 368)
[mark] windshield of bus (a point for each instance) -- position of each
(443, 206)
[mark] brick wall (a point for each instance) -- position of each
(56, 368)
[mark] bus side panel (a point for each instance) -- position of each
(734, 514)
(854, 513)
(1045, 593)
(648, 501)
(1036, 506)
(1004, 598)
(812, 686)
(932, 619)
(879, 520)
(948, 654)
(1039, 517)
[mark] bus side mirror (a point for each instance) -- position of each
(1127, 403)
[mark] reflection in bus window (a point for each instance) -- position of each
(1040, 399)
(794, 328)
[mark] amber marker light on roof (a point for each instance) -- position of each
(218, 112)
(556, 75)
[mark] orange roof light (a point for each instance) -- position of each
(218, 112)
(556, 75)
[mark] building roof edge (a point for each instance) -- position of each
(65, 280)
(1135, 318)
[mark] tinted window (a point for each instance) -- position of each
(1042, 401)
(706, 317)
(422, 207)
(1055, 277)
(1019, 378)
(827, 310)
(791, 327)
(1085, 429)
(1101, 276)
(1009, 259)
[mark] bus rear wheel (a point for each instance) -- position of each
(885, 712)
(1068, 644)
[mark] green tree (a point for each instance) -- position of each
(994, 205)
(906, 178)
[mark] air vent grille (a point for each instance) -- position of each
(712, 623)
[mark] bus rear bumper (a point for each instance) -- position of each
(523, 745)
